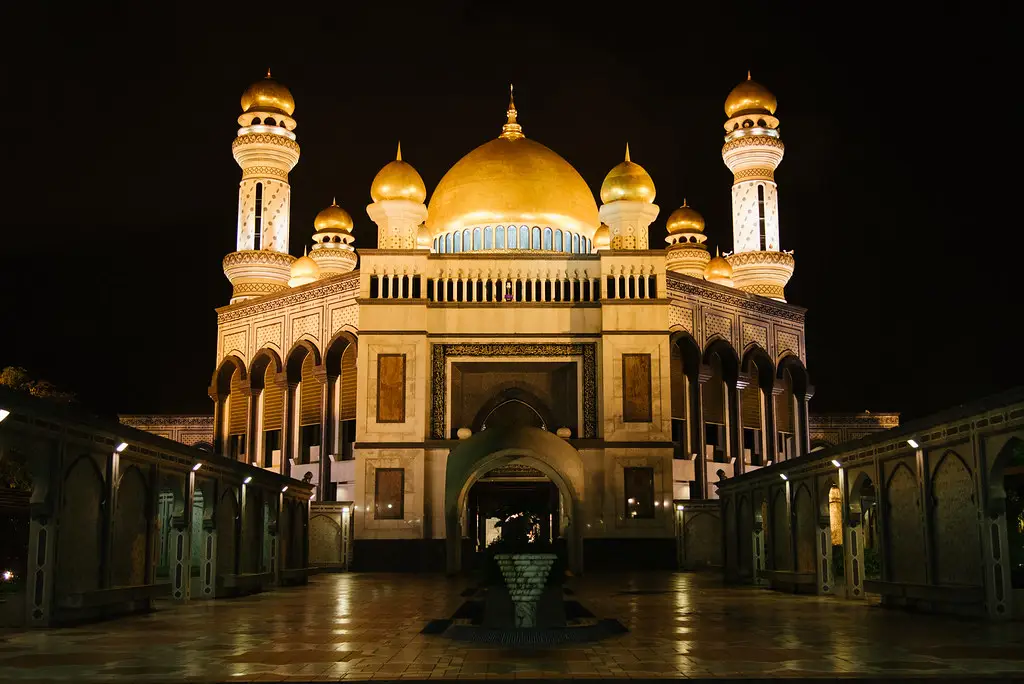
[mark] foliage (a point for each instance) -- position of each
(872, 563)
(19, 380)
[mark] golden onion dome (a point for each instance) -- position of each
(304, 271)
(268, 95)
(602, 237)
(750, 96)
(627, 181)
(512, 180)
(398, 180)
(718, 269)
(333, 218)
(685, 219)
(424, 240)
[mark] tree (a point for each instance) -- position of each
(18, 379)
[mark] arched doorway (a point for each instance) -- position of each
(524, 447)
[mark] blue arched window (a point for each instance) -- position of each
(488, 238)
(536, 237)
(466, 237)
(586, 246)
(558, 240)
(448, 243)
(568, 242)
(524, 237)
(499, 237)
(477, 240)
(257, 235)
(511, 237)
(458, 242)
(576, 244)
(547, 239)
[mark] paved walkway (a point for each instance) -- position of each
(368, 626)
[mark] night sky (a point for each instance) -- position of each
(120, 191)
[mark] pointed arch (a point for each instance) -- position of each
(220, 383)
(755, 356)
(297, 355)
(261, 360)
(718, 345)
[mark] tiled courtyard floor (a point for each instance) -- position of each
(368, 626)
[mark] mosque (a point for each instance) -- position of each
(510, 342)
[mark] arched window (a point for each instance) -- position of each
(477, 240)
(547, 239)
(512, 232)
(558, 240)
(458, 242)
(448, 243)
(576, 244)
(760, 213)
(488, 238)
(466, 237)
(499, 237)
(568, 242)
(536, 237)
(587, 246)
(257, 235)
(524, 237)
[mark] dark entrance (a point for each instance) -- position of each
(509, 489)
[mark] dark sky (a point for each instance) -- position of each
(120, 190)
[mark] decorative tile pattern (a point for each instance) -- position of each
(236, 343)
(786, 341)
(347, 315)
(681, 316)
(269, 333)
(755, 333)
(717, 325)
(306, 325)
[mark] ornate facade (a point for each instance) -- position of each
(509, 320)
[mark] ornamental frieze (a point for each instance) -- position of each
(680, 287)
(336, 286)
(439, 375)
(753, 141)
(265, 139)
(258, 256)
(765, 257)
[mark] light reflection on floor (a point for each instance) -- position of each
(363, 626)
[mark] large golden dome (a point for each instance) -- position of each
(398, 180)
(685, 219)
(268, 95)
(750, 96)
(512, 180)
(333, 218)
(627, 181)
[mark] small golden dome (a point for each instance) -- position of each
(685, 219)
(424, 240)
(304, 271)
(750, 96)
(602, 237)
(627, 181)
(398, 180)
(512, 180)
(333, 218)
(268, 95)
(718, 269)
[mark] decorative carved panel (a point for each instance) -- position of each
(957, 545)
(236, 343)
(439, 375)
(717, 325)
(391, 388)
(906, 538)
(389, 493)
(306, 325)
(636, 388)
(681, 316)
(755, 333)
(268, 334)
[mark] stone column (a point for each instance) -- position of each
(44, 468)
(109, 506)
(288, 427)
(777, 389)
(252, 429)
(826, 574)
(328, 425)
(218, 422)
(181, 541)
(704, 374)
(736, 416)
(760, 553)
(853, 540)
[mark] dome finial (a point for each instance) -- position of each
(627, 152)
(334, 201)
(398, 155)
(684, 202)
(748, 74)
(511, 130)
(268, 72)
(305, 251)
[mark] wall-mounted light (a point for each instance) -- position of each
(284, 489)
(121, 447)
(783, 476)
(913, 444)
(836, 463)
(345, 509)
(679, 507)
(247, 480)
(3, 414)
(311, 495)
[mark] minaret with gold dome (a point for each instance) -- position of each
(266, 150)
(627, 205)
(398, 194)
(752, 151)
(332, 242)
(687, 253)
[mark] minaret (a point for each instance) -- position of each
(628, 208)
(687, 253)
(398, 193)
(332, 242)
(753, 151)
(266, 150)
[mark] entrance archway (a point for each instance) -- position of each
(530, 446)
